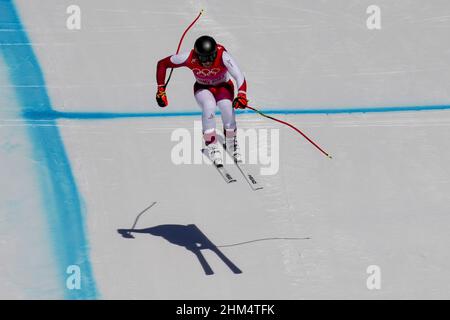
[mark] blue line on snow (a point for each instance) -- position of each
(63, 207)
(52, 115)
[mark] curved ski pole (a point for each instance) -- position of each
(293, 127)
(181, 40)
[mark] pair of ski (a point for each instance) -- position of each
(249, 177)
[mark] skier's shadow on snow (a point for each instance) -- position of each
(188, 236)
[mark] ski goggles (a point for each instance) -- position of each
(208, 58)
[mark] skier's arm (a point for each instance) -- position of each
(235, 72)
(175, 61)
(241, 100)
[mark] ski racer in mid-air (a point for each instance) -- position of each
(212, 66)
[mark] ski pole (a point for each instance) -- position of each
(141, 213)
(127, 233)
(293, 127)
(181, 40)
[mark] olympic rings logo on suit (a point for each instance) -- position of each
(206, 72)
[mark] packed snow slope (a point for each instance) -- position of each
(89, 181)
(295, 54)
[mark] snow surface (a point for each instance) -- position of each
(383, 200)
(317, 225)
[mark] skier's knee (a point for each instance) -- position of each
(230, 128)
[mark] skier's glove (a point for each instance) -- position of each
(161, 97)
(125, 233)
(240, 102)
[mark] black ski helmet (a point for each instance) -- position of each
(206, 49)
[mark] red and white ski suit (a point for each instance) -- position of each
(213, 86)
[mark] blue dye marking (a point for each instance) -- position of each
(53, 115)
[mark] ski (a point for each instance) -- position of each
(249, 177)
(221, 169)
